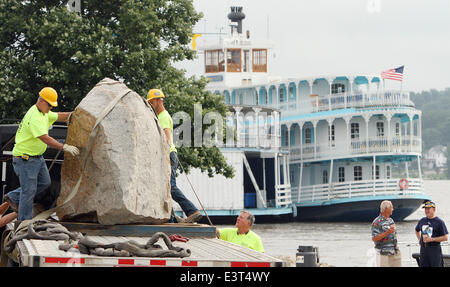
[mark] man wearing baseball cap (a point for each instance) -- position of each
(430, 232)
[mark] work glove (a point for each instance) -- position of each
(73, 150)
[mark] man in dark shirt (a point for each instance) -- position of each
(430, 232)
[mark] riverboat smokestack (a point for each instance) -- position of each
(236, 15)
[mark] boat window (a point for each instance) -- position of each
(380, 129)
(332, 133)
(337, 88)
(282, 96)
(307, 136)
(246, 62)
(285, 139)
(292, 96)
(227, 97)
(214, 61)
(397, 129)
(272, 95)
(262, 97)
(357, 173)
(388, 172)
(341, 173)
(377, 172)
(233, 60)
(355, 131)
(241, 97)
(259, 60)
(325, 177)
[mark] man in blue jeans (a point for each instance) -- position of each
(155, 98)
(431, 231)
(30, 143)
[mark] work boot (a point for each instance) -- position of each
(11, 203)
(194, 217)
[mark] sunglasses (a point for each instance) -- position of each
(50, 106)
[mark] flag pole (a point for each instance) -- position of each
(401, 83)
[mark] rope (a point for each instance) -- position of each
(47, 230)
(44, 230)
(46, 214)
(8, 142)
(129, 248)
(195, 193)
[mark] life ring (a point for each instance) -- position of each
(403, 183)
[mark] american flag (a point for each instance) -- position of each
(393, 74)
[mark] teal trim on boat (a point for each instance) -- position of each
(338, 112)
(254, 211)
(318, 114)
(361, 198)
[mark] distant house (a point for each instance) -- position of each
(435, 157)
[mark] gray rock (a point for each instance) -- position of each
(127, 176)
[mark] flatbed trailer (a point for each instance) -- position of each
(206, 249)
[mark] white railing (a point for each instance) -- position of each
(344, 101)
(268, 141)
(283, 195)
(354, 147)
(251, 140)
(340, 190)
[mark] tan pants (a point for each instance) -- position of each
(389, 260)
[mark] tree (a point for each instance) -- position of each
(42, 44)
(447, 165)
(435, 116)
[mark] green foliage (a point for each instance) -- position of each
(435, 116)
(447, 171)
(43, 44)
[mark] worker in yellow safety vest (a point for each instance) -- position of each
(155, 98)
(241, 234)
(31, 141)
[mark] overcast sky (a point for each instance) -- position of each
(334, 37)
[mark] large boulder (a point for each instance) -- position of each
(127, 174)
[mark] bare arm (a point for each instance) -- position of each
(442, 238)
(168, 136)
(51, 142)
(384, 234)
(418, 235)
(63, 117)
(217, 233)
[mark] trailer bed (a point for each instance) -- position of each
(205, 252)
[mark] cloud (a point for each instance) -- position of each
(343, 36)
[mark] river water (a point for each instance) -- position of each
(350, 244)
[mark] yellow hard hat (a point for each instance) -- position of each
(155, 93)
(49, 95)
